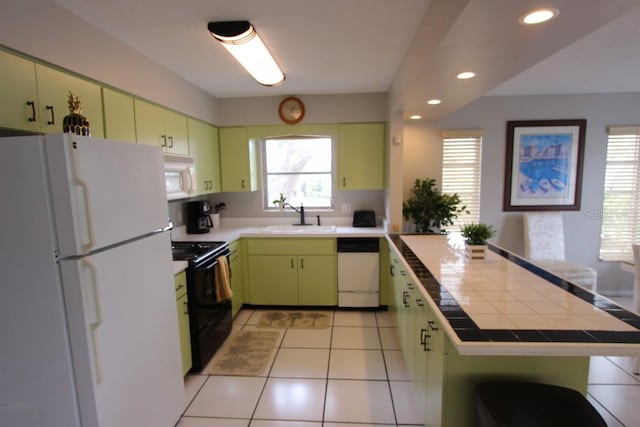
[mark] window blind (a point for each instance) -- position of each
(621, 207)
(461, 170)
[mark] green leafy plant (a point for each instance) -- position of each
(280, 202)
(429, 209)
(477, 234)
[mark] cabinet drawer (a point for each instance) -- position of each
(180, 281)
(295, 246)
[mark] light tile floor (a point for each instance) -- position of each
(352, 375)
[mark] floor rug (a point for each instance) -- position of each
(295, 319)
(244, 353)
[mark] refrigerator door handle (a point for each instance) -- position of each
(87, 209)
(94, 312)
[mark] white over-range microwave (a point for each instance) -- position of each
(179, 173)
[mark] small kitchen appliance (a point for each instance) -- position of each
(364, 218)
(198, 217)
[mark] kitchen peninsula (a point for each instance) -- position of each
(462, 322)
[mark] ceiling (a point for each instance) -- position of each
(409, 48)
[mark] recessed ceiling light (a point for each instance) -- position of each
(538, 16)
(415, 117)
(434, 101)
(466, 75)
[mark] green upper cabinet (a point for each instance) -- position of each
(204, 147)
(19, 106)
(361, 156)
(158, 126)
(238, 160)
(53, 94)
(119, 118)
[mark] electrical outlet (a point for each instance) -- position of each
(346, 208)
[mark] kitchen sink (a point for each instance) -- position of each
(299, 229)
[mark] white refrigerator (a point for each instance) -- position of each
(88, 319)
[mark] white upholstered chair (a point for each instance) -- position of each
(544, 246)
(636, 294)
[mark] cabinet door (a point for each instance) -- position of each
(317, 280)
(238, 160)
(185, 338)
(205, 149)
(119, 117)
(436, 343)
(176, 133)
(273, 280)
(19, 106)
(53, 94)
(361, 156)
(149, 124)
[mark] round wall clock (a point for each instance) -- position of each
(291, 110)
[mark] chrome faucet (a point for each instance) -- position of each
(300, 211)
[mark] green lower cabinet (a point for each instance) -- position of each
(292, 272)
(273, 279)
(316, 280)
(182, 305)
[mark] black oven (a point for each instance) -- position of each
(209, 319)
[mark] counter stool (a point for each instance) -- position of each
(525, 404)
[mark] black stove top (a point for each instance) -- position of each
(195, 251)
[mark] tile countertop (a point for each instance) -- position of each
(505, 305)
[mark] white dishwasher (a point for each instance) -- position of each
(358, 271)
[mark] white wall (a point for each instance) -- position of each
(50, 33)
(491, 114)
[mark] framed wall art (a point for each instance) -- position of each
(543, 168)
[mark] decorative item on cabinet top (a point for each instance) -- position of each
(75, 122)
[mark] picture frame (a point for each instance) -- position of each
(543, 167)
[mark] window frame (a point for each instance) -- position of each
(267, 204)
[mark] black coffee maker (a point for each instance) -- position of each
(198, 218)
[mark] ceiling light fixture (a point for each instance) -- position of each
(434, 101)
(466, 75)
(242, 41)
(539, 16)
(415, 117)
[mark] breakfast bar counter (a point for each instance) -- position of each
(462, 322)
(506, 305)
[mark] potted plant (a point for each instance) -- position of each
(280, 202)
(476, 236)
(429, 209)
(215, 217)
